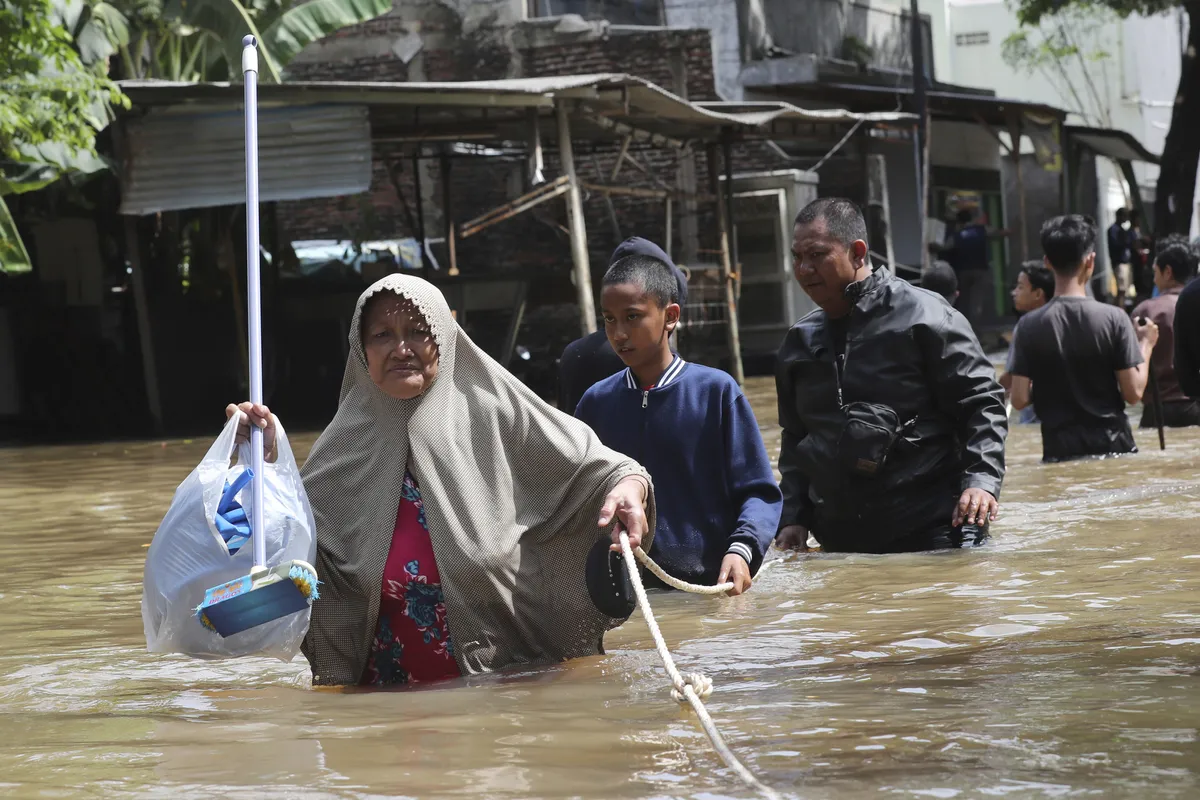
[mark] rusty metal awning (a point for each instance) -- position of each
(605, 105)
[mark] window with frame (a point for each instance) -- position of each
(972, 38)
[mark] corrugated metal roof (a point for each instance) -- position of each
(176, 161)
(626, 94)
(185, 148)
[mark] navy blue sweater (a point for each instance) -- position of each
(713, 485)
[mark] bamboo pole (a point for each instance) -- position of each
(579, 251)
(733, 336)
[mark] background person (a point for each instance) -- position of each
(940, 279)
(1121, 242)
(1035, 288)
(1078, 360)
(1174, 267)
(967, 249)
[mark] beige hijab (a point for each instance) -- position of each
(512, 490)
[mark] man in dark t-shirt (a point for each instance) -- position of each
(1080, 360)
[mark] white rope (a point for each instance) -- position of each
(694, 588)
(693, 686)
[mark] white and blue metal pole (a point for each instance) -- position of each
(253, 294)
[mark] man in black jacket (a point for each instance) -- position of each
(893, 421)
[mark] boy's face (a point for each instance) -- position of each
(1025, 297)
(637, 328)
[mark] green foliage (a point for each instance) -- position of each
(49, 93)
(55, 58)
(1067, 49)
(190, 40)
(1032, 12)
(55, 97)
(856, 50)
(13, 256)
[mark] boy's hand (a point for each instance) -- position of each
(734, 568)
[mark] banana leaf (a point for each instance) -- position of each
(289, 30)
(283, 29)
(228, 21)
(13, 256)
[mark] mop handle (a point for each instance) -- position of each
(253, 300)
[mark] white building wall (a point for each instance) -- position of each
(1132, 90)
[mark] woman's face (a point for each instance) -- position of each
(402, 356)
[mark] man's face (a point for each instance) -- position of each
(824, 267)
(1025, 297)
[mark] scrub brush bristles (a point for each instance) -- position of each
(306, 581)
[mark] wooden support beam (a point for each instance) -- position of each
(579, 250)
(537, 163)
(621, 154)
(1014, 128)
(448, 213)
(422, 238)
(537, 196)
(146, 337)
(730, 225)
(637, 134)
(669, 232)
(992, 132)
(732, 333)
(626, 191)
(514, 324)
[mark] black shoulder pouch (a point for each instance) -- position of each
(868, 436)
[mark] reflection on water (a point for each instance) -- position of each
(1059, 660)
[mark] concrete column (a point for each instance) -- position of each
(579, 249)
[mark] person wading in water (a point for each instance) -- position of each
(1174, 266)
(1079, 360)
(893, 422)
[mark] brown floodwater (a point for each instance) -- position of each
(1060, 660)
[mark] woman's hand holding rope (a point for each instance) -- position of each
(626, 503)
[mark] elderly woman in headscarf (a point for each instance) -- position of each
(455, 510)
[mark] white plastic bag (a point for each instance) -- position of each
(188, 555)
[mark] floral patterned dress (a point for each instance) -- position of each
(412, 640)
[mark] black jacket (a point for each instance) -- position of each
(584, 363)
(906, 348)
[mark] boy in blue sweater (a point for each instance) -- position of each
(690, 427)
